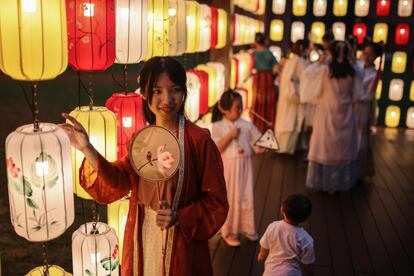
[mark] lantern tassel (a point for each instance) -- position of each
(90, 92)
(125, 79)
(35, 107)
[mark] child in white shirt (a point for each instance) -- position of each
(285, 246)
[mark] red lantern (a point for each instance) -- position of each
(233, 34)
(383, 7)
(402, 34)
(130, 117)
(203, 77)
(214, 27)
(91, 34)
(360, 31)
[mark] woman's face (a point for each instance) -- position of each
(167, 99)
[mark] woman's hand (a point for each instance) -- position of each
(165, 216)
(77, 134)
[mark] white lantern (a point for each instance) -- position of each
(405, 8)
(410, 117)
(95, 250)
(192, 26)
(39, 173)
(338, 29)
(276, 51)
(117, 218)
(131, 31)
(396, 89)
(279, 6)
(297, 31)
(177, 28)
(192, 103)
(319, 7)
(361, 8)
(205, 28)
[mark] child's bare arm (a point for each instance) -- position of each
(226, 140)
(308, 268)
(263, 253)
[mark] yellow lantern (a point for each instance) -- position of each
(405, 8)
(276, 30)
(248, 85)
(233, 73)
(396, 89)
(204, 39)
(212, 83)
(380, 32)
(318, 31)
(117, 217)
(361, 8)
(319, 7)
(392, 116)
(221, 29)
(410, 117)
(299, 7)
(100, 124)
(412, 91)
(338, 29)
(192, 103)
(340, 7)
(399, 62)
(192, 22)
(378, 90)
(220, 73)
(53, 270)
(33, 39)
(262, 7)
(297, 31)
(158, 28)
(177, 27)
(279, 6)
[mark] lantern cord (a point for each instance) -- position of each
(26, 97)
(115, 80)
(95, 217)
(35, 107)
(84, 215)
(125, 79)
(45, 263)
(90, 92)
(79, 89)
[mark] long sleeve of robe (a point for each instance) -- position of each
(202, 207)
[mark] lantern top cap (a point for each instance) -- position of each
(43, 128)
(102, 228)
(94, 109)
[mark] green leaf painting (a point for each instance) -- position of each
(31, 203)
(88, 272)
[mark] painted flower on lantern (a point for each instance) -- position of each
(165, 160)
(115, 253)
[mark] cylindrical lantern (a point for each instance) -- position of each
(410, 117)
(412, 91)
(204, 37)
(220, 74)
(248, 85)
(204, 88)
(234, 72)
(192, 103)
(91, 34)
(360, 31)
(383, 7)
(317, 31)
(279, 6)
(297, 31)
(27, 52)
(158, 28)
(319, 7)
(95, 250)
(276, 30)
(131, 31)
(130, 117)
(399, 62)
(378, 90)
(221, 29)
(117, 217)
(214, 27)
(177, 27)
(392, 116)
(340, 7)
(299, 7)
(192, 23)
(53, 270)
(402, 34)
(39, 174)
(338, 29)
(380, 32)
(396, 89)
(100, 124)
(361, 8)
(405, 8)
(212, 83)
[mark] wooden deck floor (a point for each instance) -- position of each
(366, 231)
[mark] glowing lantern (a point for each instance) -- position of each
(380, 32)
(319, 7)
(313, 56)
(158, 24)
(297, 31)
(192, 23)
(53, 270)
(220, 73)
(204, 89)
(91, 34)
(221, 29)
(318, 31)
(392, 116)
(396, 89)
(383, 7)
(299, 7)
(399, 62)
(340, 7)
(212, 82)
(130, 117)
(100, 124)
(377, 62)
(276, 51)
(26, 51)
(39, 174)
(234, 72)
(402, 34)
(204, 28)
(248, 85)
(361, 7)
(412, 91)
(276, 30)
(279, 6)
(360, 31)
(192, 103)
(378, 90)
(405, 8)
(214, 27)
(95, 250)
(410, 117)
(237, 26)
(117, 217)
(131, 31)
(261, 8)
(177, 27)
(338, 29)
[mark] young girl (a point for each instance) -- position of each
(235, 137)
(202, 205)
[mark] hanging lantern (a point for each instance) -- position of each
(40, 183)
(130, 117)
(276, 51)
(131, 31)
(276, 30)
(192, 103)
(212, 83)
(177, 27)
(380, 32)
(412, 91)
(95, 250)
(402, 34)
(117, 217)
(279, 6)
(360, 31)
(297, 31)
(26, 51)
(221, 29)
(405, 8)
(204, 89)
(396, 89)
(410, 117)
(220, 74)
(319, 7)
(192, 28)
(338, 29)
(214, 27)
(248, 85)
(53, 270)
(91, 34)
(392, 116)
(318, 31)
(234, 71)
(377, 62)
(158, 28)
(361, 8)
(100, 124)
(204, 28)
(340, 7)
(378, 90)
(399, 62)
(299, 7)
(383, 7)
(261, 7)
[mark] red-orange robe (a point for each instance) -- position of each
(202, 208)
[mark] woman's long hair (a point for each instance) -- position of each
(225, 103)
(339, 66)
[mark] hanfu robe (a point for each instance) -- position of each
(202, 208)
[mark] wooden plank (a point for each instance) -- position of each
(223, 259)
(322, 271)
